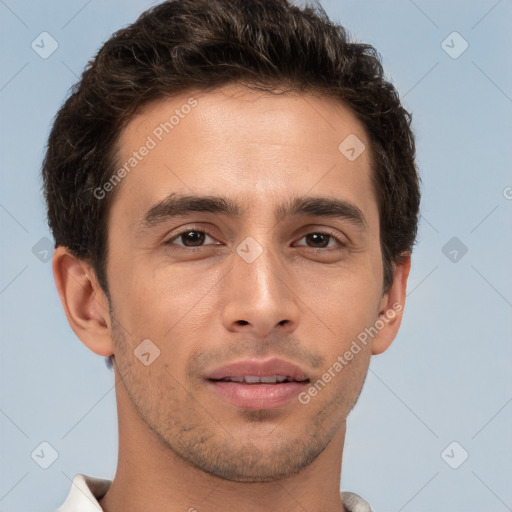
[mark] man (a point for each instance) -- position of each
(234, 199)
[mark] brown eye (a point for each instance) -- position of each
(320, 240)
(189, 238)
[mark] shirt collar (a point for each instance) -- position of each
(84, 494)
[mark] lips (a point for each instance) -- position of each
(254, 379)
(270, 371)
(254, 384)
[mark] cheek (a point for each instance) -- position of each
(165, 301)
(345, 299)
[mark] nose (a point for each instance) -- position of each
(260, 296)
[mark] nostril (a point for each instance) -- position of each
(242, 322)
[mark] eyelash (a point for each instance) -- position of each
(170, 241)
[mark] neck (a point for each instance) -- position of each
(150, 476)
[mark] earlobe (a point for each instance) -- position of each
(392, 306)
(84, 302)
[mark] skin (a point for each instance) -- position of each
(181, 446)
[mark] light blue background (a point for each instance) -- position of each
(447, 377)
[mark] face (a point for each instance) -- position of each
(212, 285)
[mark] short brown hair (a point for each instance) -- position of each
(182, 45)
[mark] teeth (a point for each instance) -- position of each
(250, 379)
(253, 379)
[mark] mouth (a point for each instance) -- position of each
(256, 384)
(255, 379)
(258, 392)
(250, 371)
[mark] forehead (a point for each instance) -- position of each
(256, 146)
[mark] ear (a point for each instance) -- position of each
(391, 307)
(84, 302)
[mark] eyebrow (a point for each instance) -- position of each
(175, 205)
